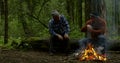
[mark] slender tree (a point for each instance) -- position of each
(79, 14)
(87, 9)
(118, 9)
(1, 7)
(117, 16)
(1, 16)
(6, 21)
(23, 20)
(70, 9)
(30, 7)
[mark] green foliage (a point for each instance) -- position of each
(16, 27)
(1, 40)
(41, 9)
(114, 38)
(44, 34)
(11, 40)
(75, 32)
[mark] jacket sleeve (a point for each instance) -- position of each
(84, 28)
(51, 28)
(66, 25)
(102, 29)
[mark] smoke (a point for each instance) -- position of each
(113, 18)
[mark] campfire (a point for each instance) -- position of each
(90, 54)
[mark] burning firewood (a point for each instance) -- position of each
(90, 54)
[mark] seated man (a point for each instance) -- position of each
(58, 28)
(95, 29)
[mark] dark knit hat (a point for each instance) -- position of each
(94, 14)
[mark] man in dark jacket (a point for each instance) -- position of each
(59, 29)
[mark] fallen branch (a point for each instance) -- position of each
(38, 20)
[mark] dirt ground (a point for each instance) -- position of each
(13, 56)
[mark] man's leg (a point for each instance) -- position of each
(82, 46)
(53, 41)
(102, 43)
(51, 46)
(65, 45)
(83, 43)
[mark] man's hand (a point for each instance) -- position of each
(66, 36)
(89, 27)
(59, 36)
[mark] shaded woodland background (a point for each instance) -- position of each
(24, 26)
(28, 19)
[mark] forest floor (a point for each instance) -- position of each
(14, 56)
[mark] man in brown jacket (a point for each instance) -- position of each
(95, 29)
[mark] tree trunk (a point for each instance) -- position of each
(1, 17)
(79, 14)
(117, 16)
(6, 21)
(23, 20)
(70, 9)
(87, 9)
(1, 7)
(97, 6)
(30, 6)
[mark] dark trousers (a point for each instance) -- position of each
(100, 42)
(57, 45)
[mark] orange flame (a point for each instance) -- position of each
(90, 54)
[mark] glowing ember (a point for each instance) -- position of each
(90, 54)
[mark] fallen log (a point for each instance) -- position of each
(38, 44)
(41, 44)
